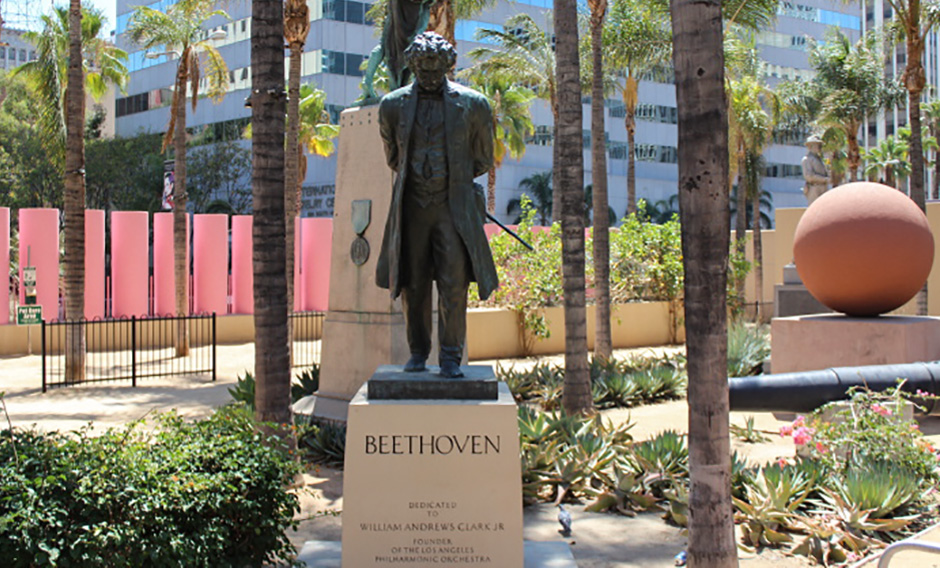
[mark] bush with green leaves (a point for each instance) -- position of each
(204, 493)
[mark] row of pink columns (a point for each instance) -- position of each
(5, 264)
(39, 247)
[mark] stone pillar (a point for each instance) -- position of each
(4, 265)
(94, 264)
(364, 327)
(130, 276)
(243, 301)
(210, 264)
(316, 242)
(39, 247)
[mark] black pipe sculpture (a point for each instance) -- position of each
(808, 390)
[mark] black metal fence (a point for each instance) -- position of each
(307, 331)
(130, 349)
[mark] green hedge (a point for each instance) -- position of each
(205, 493)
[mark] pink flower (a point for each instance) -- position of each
(821, 448)
(800, 421)
(915, 426)
(802, 435)
(920, 392)
(878, 409)
(782, 462)
(786, 430)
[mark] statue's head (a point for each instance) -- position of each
(814, 143)
(430, 57)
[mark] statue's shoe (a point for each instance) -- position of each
(450, 370)
(416, 364)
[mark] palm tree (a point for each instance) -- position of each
(568, 177)
(589, 208)
(639, 38)
(916, 20)
(602, 342)
(296, 26)
(75, 195)
(753, 110)
(538, 187)
(932, 114)
(103, 65)
(849, 86)
(179, 32)
(72, 59)
(445, 13)
(512, 121)
(272, 354)
(703, 204)
(525, 53)
(887, 161)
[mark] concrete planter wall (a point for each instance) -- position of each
(491, 332)
(497, 333)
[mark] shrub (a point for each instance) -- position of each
(206, 493)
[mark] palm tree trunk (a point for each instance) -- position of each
(917, 167)
(602, 340)
(758, 257)
(75, 202)
(292, 174)
(491, 190)
(740, 219)
(630, 123)
(180, 233)
(272, 353)
(569, 184)
(703, 206)
(854, 156)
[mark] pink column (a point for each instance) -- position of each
(210, 263)
(164, 289)
(4, 265)
(39, 247)
(298, 266)
(243, 301)
(317, 237)
(94, 264)
(129, 266)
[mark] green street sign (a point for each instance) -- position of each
(28, 315)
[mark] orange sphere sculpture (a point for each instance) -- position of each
(863, 249)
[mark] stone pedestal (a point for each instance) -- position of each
(432, 482)
(364, 327)
(807, 343)
(792, 298)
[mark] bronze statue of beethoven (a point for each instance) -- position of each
(438, 136)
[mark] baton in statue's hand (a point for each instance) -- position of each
(508, 230)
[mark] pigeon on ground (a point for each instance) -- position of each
(564, 518)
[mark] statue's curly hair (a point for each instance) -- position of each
(430, 45)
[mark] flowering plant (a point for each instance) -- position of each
(867, 428)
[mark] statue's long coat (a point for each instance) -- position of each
(468, 126)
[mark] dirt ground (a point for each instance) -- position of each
(598, 540)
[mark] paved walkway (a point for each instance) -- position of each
(599, 540)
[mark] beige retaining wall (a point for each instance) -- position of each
(495, 333)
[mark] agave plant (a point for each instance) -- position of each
(307, 383)
(625, 493)
(665, 458)
(325, 443)
(748, 347)
(770, 504)
(748, 433)
(873, 491)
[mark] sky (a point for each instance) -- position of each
(109, 7)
